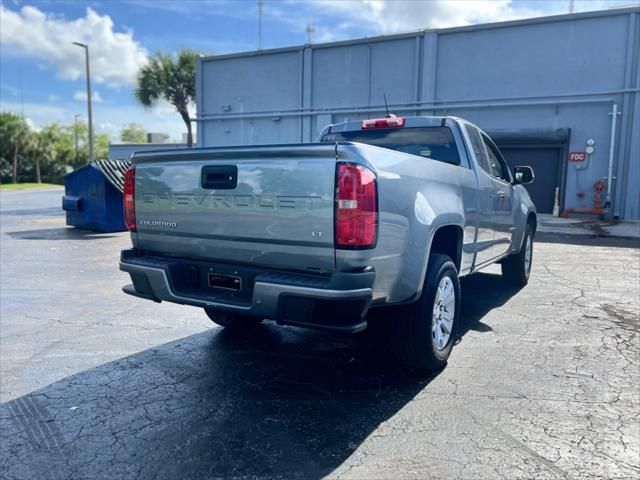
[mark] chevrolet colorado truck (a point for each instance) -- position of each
(379, 214)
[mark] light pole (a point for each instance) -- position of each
(75, 133)
(311, 28)
(90, 120)
(260, 24)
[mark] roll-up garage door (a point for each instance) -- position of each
(545, 163)
(542, 150)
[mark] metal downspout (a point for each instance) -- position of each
(612, 146)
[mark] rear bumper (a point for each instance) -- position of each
(338, 302)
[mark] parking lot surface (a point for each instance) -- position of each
(544, 382)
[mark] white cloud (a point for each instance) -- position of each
(109, 129)
(53, 98)
(13, 91)
(32, 125)
(115, 56)
(336, 19)
(81, 96)
(388, 16)
(40, 114)
(108, 118)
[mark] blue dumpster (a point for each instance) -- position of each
(91, 201)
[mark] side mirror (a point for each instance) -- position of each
(523, 175)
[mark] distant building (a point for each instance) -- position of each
(194, 135)
(153, 137)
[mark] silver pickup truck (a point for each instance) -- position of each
(381, 213)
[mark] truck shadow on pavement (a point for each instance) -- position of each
(281, 403)
(481, 293)
(62, 233)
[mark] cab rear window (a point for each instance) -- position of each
(435, 143)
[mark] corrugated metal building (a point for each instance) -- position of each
(542, 87)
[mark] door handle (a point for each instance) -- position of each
(219, 177)
(501, 194)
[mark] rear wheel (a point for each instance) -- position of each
(232, 320)
(517, 267)
(424, 332)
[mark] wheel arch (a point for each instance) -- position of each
(447, 240)
(532, 219)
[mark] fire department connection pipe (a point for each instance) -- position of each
(614, 117)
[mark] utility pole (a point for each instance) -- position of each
(260, 14)
(311, 28)
(21, 95)
(571, 5)
(90, 119)
(75, 133)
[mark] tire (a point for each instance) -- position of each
(232, 321)
(418, 331)
(517, 266)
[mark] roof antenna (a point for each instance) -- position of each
(386, 107)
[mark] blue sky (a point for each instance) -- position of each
(41, 73)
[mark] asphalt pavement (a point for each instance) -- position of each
(544, 382)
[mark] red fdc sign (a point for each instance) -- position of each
(577, 156)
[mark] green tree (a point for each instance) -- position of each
(46, 155)
(30, 149)
(55, 150)
(15, 139)
(63, 141)
(172, 79)
(101, 146)
(133, 133)
(42, 152)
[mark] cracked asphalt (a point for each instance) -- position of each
(544, 382)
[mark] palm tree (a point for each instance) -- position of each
(42, 147)
(172, 79)
(30, 148)
(14, 133)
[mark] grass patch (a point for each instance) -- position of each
(25, 186)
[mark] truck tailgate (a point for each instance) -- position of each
(260, 206)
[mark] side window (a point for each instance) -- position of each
(496, 164)
(478, 148)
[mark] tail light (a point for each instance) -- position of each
(356, 218)
(390, 122)
(128, 199)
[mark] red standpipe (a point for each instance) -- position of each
(597, 209)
